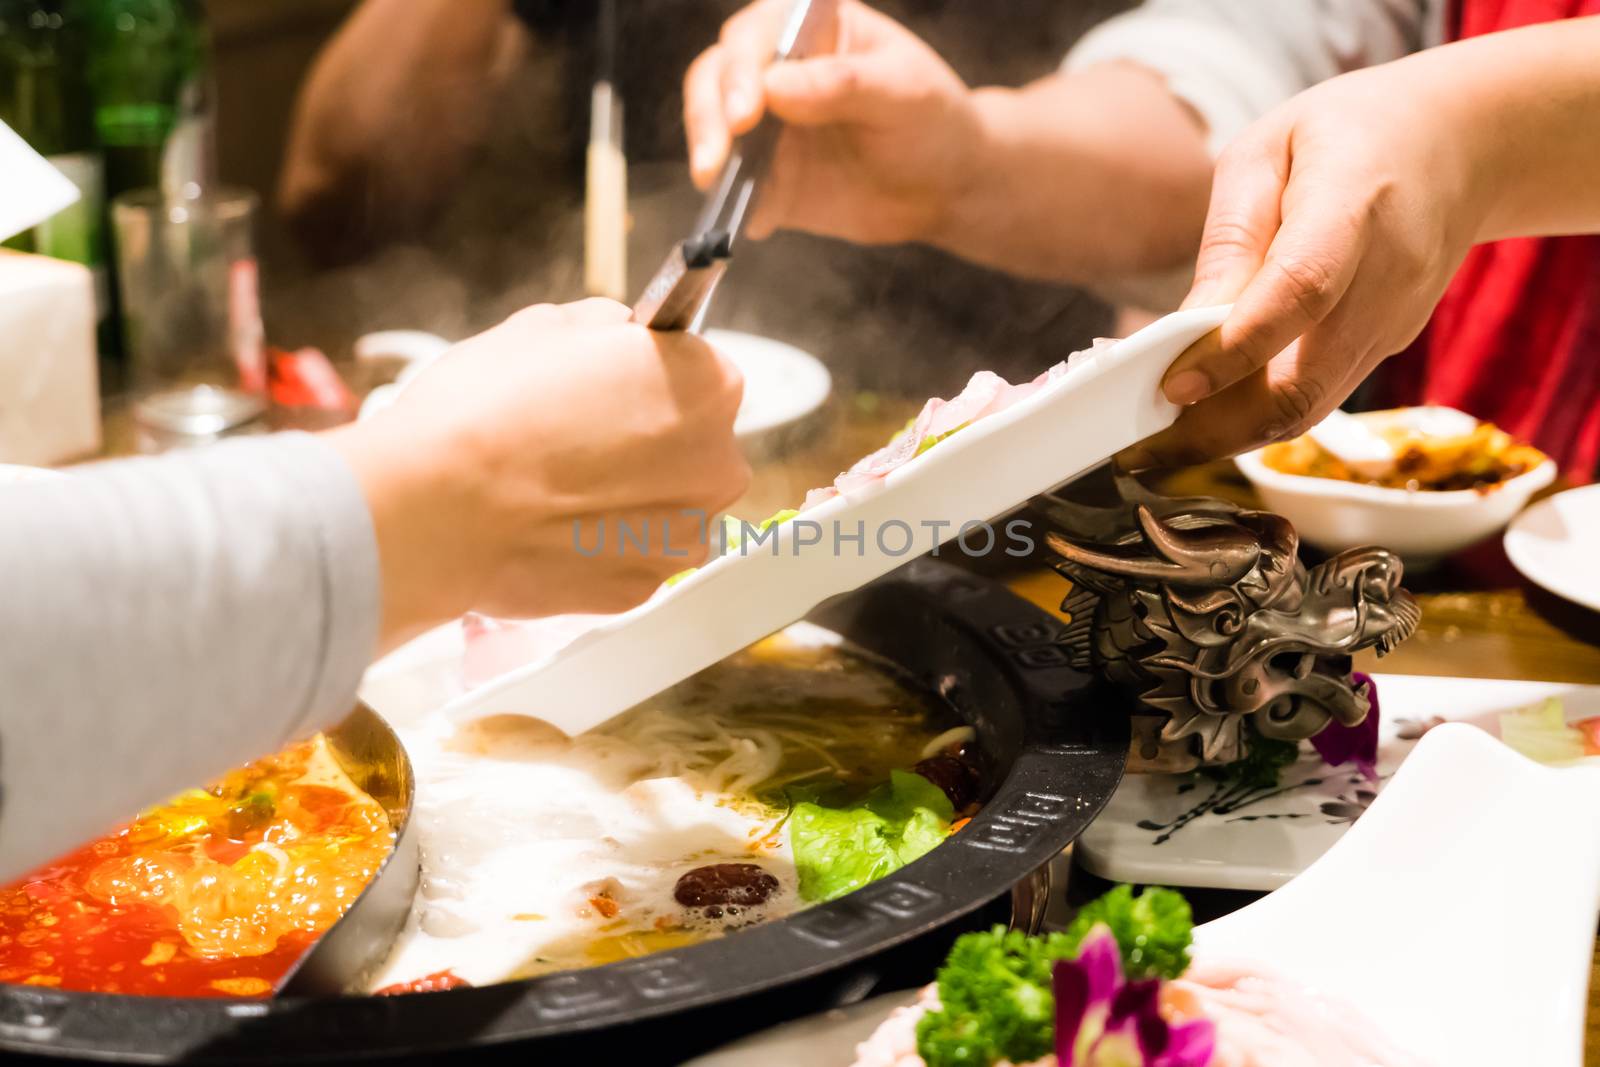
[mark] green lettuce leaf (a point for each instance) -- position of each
(1541, 733)
(928, 441)
(733, 536)
(837, 850)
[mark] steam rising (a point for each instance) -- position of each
(507, 232)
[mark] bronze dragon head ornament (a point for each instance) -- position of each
(1205, 610)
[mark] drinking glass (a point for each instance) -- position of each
(191, 313)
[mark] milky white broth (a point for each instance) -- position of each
(543, 853)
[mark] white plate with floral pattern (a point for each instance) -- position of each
(1186, 830)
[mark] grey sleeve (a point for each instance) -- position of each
(163, 620)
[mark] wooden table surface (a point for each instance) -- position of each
(1478, 618)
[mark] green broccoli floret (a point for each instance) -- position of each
(1153, 930)
(995, 1001)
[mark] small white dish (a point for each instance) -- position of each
(1150, 834)
(410, 351)
(1556, 544)
(1422, 526)
(782, 384)
(410, 347)
(1457, 919)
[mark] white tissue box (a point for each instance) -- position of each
(49, 389)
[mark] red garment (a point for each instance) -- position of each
(1516, 337)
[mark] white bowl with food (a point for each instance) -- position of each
(1422, 481)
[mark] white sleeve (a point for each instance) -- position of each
(1235, 60)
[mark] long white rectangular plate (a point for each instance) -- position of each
(1105, 401)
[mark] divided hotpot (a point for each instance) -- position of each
(1054, 742)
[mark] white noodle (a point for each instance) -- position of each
(956, 735)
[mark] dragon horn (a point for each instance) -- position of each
(1216, 555)
(1207, 555)
(1120, 566)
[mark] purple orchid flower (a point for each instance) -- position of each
(1338, 744)
(1103, 1020)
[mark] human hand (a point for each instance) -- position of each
(521, 444)
(1335, 224)
(880, 136)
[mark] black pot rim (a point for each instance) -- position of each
(1073, 747)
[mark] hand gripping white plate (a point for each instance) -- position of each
(1104, 402)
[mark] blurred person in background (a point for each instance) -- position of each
(168, 618)
(1100, 174)
(436, 168)
(409, 95)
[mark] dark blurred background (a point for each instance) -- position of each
(901, 319)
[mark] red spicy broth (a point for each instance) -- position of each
(216, 893)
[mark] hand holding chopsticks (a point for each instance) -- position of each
(680, 292)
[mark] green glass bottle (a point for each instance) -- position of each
(19, 65)
(148, 70)
(45, 98)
